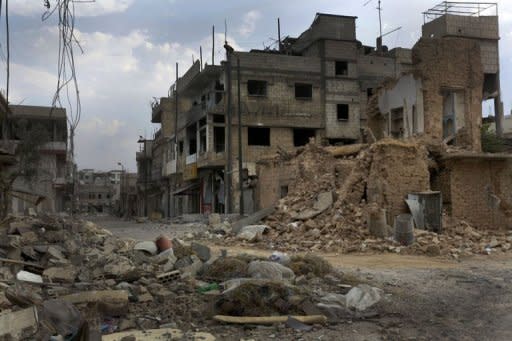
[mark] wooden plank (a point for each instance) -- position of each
(308, 319)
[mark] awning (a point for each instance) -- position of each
(190, 189)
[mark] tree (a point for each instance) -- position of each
(29, 140)
(491, 143)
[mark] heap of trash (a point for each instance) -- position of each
(61, 276)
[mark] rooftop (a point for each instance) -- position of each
(475, 9)
(37, 111)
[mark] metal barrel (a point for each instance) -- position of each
(404, 229)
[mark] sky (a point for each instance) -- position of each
(130, 48)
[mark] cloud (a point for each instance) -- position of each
(98, 126)
(82, 9)
(249, 23)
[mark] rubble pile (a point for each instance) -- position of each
(328, 205)
(62, 276)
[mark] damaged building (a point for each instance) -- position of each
(326, 85)
(50, 189)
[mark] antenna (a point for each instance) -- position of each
(225, 31)
(213, 45)
(379, 9)
(279, 34)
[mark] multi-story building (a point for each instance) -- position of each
(314, 86)
(128, 195)
(323, 85)
(97, 191)
(50, 189)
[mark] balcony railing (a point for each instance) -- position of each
(191, 159)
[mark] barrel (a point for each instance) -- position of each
(404, 229)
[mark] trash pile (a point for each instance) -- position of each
(62, 276)
(336, 189)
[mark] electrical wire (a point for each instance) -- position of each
(8, 48)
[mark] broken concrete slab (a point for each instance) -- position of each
(252, 219)
(146, 246)
(252, 233)
(18, 325)
(63, 274)
(202, 251)
(109, 301)
(322, 203)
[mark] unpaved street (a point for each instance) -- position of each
(427, 298)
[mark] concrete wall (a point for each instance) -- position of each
(406, 93)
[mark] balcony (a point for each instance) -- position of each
(169, 168)
(59, 182)
(191, 159)
(55, 147)
(142, 155)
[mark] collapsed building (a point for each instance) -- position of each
(98, 191)
(328, 86)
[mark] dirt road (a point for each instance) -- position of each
(426, 298)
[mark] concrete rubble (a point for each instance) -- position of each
(119, 288)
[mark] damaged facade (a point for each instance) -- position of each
(98, 191)
(328, 86)
(50, 189)
(314, 86)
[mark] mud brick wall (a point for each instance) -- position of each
(481, 192)
(272, 175)
(450, 64)
(397, 169)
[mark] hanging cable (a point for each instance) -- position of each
(8, 48)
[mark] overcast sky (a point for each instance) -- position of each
(131, 47)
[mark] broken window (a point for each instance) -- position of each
(301, 136)
(219, 139)
(284, 191)
(397, 122)
(99, 196)
(303, 91)
(257, 136)
(202, 141)
(369, 92)
(342, 112)
(219, 118)
(341, 68)
(192, 146)
(180, 147)
(256, 88)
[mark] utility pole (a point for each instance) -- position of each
(240, 174)
(228, 171)
(213, 45)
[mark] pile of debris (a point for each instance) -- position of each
(63, 276)
(337, 188)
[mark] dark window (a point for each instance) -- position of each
(99, 196)
(192, 146)
(284, 191)
(301, 136)
(219, 139)
(219, 118)
(256, 88)
(303, 90)
(202, 141)
(369, 92)
(341, 68)
(108, 196)
(180, 147)
(342, 112)
(258, 136)
(202, 122)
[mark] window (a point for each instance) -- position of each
(397, 122)
(284, 191)
(258, 136)
(342, 112)
(301, 136)
(202, 140)
(219, 118)
(369, 92)
(341, 68)
(303, 91)
(219, 138)
(256, 88)
(180, 147)
(108, 196)
(99, 196)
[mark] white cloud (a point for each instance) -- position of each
(98, 126)
(82, 9)
(249, 23)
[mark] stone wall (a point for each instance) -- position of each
(480, 191)
(450, 64)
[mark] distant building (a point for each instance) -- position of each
(97, 191)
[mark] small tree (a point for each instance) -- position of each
(491, 143)
(28, 156)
